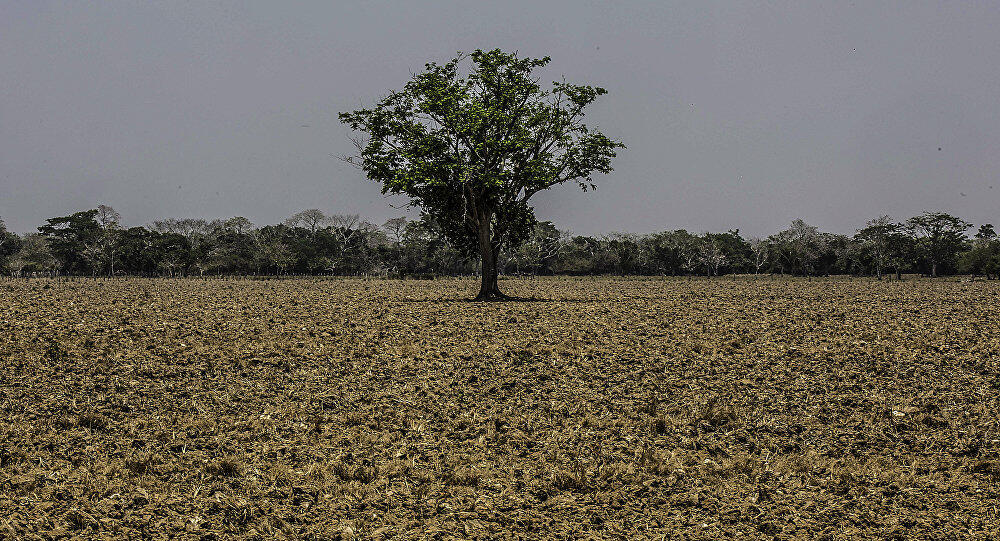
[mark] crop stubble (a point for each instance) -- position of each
(605, 407)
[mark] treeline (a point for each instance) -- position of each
(94, 242)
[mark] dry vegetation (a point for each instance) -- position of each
(615, 408)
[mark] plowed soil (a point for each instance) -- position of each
(605, 408)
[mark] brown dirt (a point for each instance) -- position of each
(615, 409)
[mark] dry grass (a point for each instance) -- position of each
(370, 409)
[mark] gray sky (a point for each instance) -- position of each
(735, 114)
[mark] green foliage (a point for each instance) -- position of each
(986, 233)
(874, 240)
(33, 256)
(470, 148)
(10, 243)
(797, 249)
(726, 250)
(538, 252)
(425, 249)
(984, 256)
(939, 237)
(673, 252)
(313, 243)
(71, 238)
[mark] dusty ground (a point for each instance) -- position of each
(614, 408)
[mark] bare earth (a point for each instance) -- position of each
(610, 408)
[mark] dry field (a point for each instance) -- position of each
(609, 408)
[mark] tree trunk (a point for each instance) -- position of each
(488, 289)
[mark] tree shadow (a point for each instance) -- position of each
(510, 299)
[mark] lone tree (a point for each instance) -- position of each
(469, 147)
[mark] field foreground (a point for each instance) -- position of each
(612, 408)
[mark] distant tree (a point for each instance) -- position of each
(6, 237)
(189, 227)
(659, 254)
(351, 234)
(73, 240)
(673, 252)
(371, 259)
(311, 242)
(986, 233)
(835, 255)
(900, 250)
(711, 257)
(852, 257)
(10, 243)
(760, 248)
(345, 226)
(315, 253)
(984, 255)
(106, 247)
(311, 219)
(735, 251)
(232, 246)
(33, 255)
(580, 255)
(107, 217)
(394, 228)
(688, 248)
(238, 225)
(623, 253)
(360, 254)
(798, 248)
(537, 254)
(426, 250)
(472, 149)
(134, 251)
(939, 237)
(983, 258)
(875, 238)
(198, 234)
(174, 254)
(272, 253)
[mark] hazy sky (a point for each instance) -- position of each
(735, 114)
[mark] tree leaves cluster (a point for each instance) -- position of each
(470, 147)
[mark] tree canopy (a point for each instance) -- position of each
(940, 238)
(471, 147)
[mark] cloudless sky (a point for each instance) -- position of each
(736, 115)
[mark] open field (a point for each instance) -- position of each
(617, 408)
